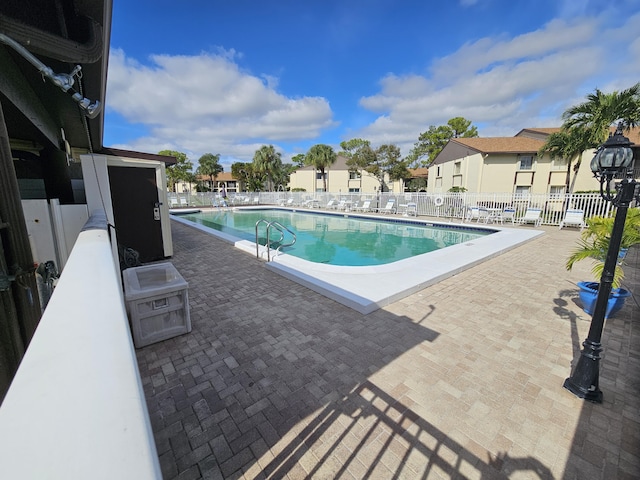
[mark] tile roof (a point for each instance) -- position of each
(501, 144)
(222, 177)
(632, 134)
(419, 172)
(545, 130)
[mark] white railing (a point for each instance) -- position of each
(446, 205)
(76, 408)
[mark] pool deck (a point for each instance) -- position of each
(462, 379)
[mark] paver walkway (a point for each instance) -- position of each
(461, 380)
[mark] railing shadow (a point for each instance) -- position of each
(273, 378)
(263, 356)
(394, 439)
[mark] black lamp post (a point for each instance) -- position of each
(613, 157)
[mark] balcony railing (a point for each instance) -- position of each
(76, 408)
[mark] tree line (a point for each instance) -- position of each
(268, 172)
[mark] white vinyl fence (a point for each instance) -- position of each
(446, 205)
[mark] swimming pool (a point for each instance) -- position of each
(368, 288)
(343, 240)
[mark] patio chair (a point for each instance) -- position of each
(219, 201)
(173, 202)
(483, 215)
(573, 218)
(389, 208)
(331, 204)
(184, 202)
(472, 213)
(508, 214)
(532, 215)
(365, 207)
(342, 205)
(411, 210)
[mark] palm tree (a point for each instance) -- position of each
(586, 125)
(266, 160)
(209, 165)
(321, 157)
(567, 144)
(601, 110)
(595, 240)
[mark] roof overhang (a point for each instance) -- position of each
(60, 34)
(116, 152)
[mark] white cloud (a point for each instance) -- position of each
(506, 84)
(206, 103)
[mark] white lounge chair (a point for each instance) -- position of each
(184, 202)
(173, 202)
(389, 208)
(218, 201)
(331, 204)
(286, 203)
(508, 214)
(472, 213)
(532, 215)
(342, 205)
(365, 207)
(411, 210)
(573, 218)
(483, 215)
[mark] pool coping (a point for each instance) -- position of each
(366, 289)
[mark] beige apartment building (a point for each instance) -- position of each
(340, 179)
(509, 165)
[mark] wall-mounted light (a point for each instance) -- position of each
(64, 81)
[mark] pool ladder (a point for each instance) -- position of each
(281, 230)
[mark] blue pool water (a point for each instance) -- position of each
(345, 240)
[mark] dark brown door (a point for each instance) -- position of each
(134, 195)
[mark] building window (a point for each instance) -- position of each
(318, 175)
(354, 190)
(523, 190)
(354, 175)
(438, 171)
(457, 168)
(556, 190)
(526, 162)
(559, 164)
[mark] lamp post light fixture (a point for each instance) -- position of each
(613, 157)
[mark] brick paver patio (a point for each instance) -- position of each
(461, 380)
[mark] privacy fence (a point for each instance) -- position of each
(449, 206)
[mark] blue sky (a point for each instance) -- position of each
(225, 77)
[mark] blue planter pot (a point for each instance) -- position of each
(589, 293)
